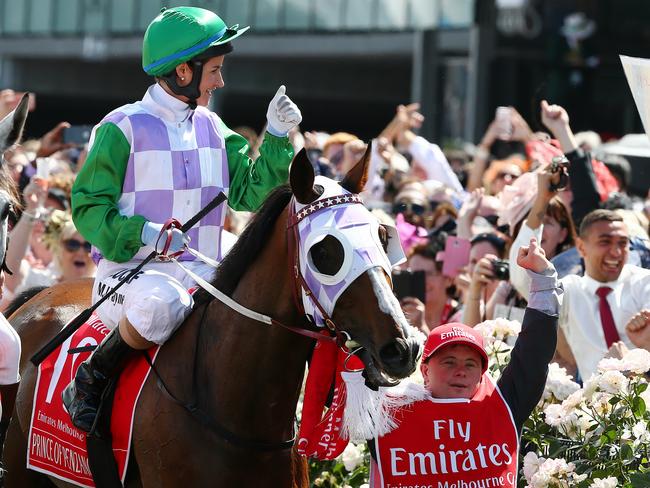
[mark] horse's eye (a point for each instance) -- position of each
(327, 255)
(383, 237)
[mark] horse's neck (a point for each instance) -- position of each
(253, 372)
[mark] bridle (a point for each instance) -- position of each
(299, 284)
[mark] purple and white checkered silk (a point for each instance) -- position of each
(175, 168)
(358, 232)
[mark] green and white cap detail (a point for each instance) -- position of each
(178, 34)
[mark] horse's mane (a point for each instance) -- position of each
(248, 245)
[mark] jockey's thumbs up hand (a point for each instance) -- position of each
(282, 114)
(151, 237)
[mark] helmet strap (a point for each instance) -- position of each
(190, 91)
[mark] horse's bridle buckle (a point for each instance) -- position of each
(330, 325)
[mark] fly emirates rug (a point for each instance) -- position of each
(450, 443)
(56, 447)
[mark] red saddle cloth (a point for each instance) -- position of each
(56, 447)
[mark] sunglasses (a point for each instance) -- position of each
(408, 207)
(73, 245)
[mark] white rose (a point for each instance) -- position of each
(554, 415)
(640, 431)
(573, 400)
(558, 383)
(531, 464)
(600, 403)
(352, 457)
(541, 479)
(637, 361)
(590, 386)
(609, 482)
(611, 364)
(613, 382)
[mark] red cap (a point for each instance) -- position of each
(454, 333)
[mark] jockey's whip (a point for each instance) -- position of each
(80, 319)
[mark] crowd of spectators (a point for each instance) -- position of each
(461, 215)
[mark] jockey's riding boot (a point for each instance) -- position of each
(82, 396)
(7, 402)
(4, 425)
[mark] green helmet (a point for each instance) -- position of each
(179, 34)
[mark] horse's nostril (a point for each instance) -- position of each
(395, 354)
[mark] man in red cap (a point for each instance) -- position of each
(466, 433)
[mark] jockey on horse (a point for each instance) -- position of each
(166, 155)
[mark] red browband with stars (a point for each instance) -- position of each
(321, 204)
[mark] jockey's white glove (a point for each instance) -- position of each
(151, 232)
(282, 114)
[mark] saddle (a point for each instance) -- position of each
(57, 447)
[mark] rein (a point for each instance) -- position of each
(340, 337)
(203, 418)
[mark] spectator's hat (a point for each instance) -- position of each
(451, 334)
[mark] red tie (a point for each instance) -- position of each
(609, 327)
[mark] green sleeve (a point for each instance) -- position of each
(95, 195)
(251, 181)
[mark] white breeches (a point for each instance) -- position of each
(9, 353)
(155, 302)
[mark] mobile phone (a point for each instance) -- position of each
(456, 255)
(407, 283)
(503, 118)
(77, 134)
(43, 168)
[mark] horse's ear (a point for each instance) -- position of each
(11, 127)
(301, 178)
(355, 180)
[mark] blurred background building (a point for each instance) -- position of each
(347, 63)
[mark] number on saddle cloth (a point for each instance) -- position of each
(51, 425)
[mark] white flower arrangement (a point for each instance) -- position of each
(548, 473)
(594, 436)
(609, 482)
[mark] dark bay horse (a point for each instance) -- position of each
(245, 375)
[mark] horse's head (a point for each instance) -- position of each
(345, 256)
(11, 129)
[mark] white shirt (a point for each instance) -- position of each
(580, 313)
(430, 157)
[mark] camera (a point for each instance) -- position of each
(501, 268)
(77, 134)
(559, 164)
